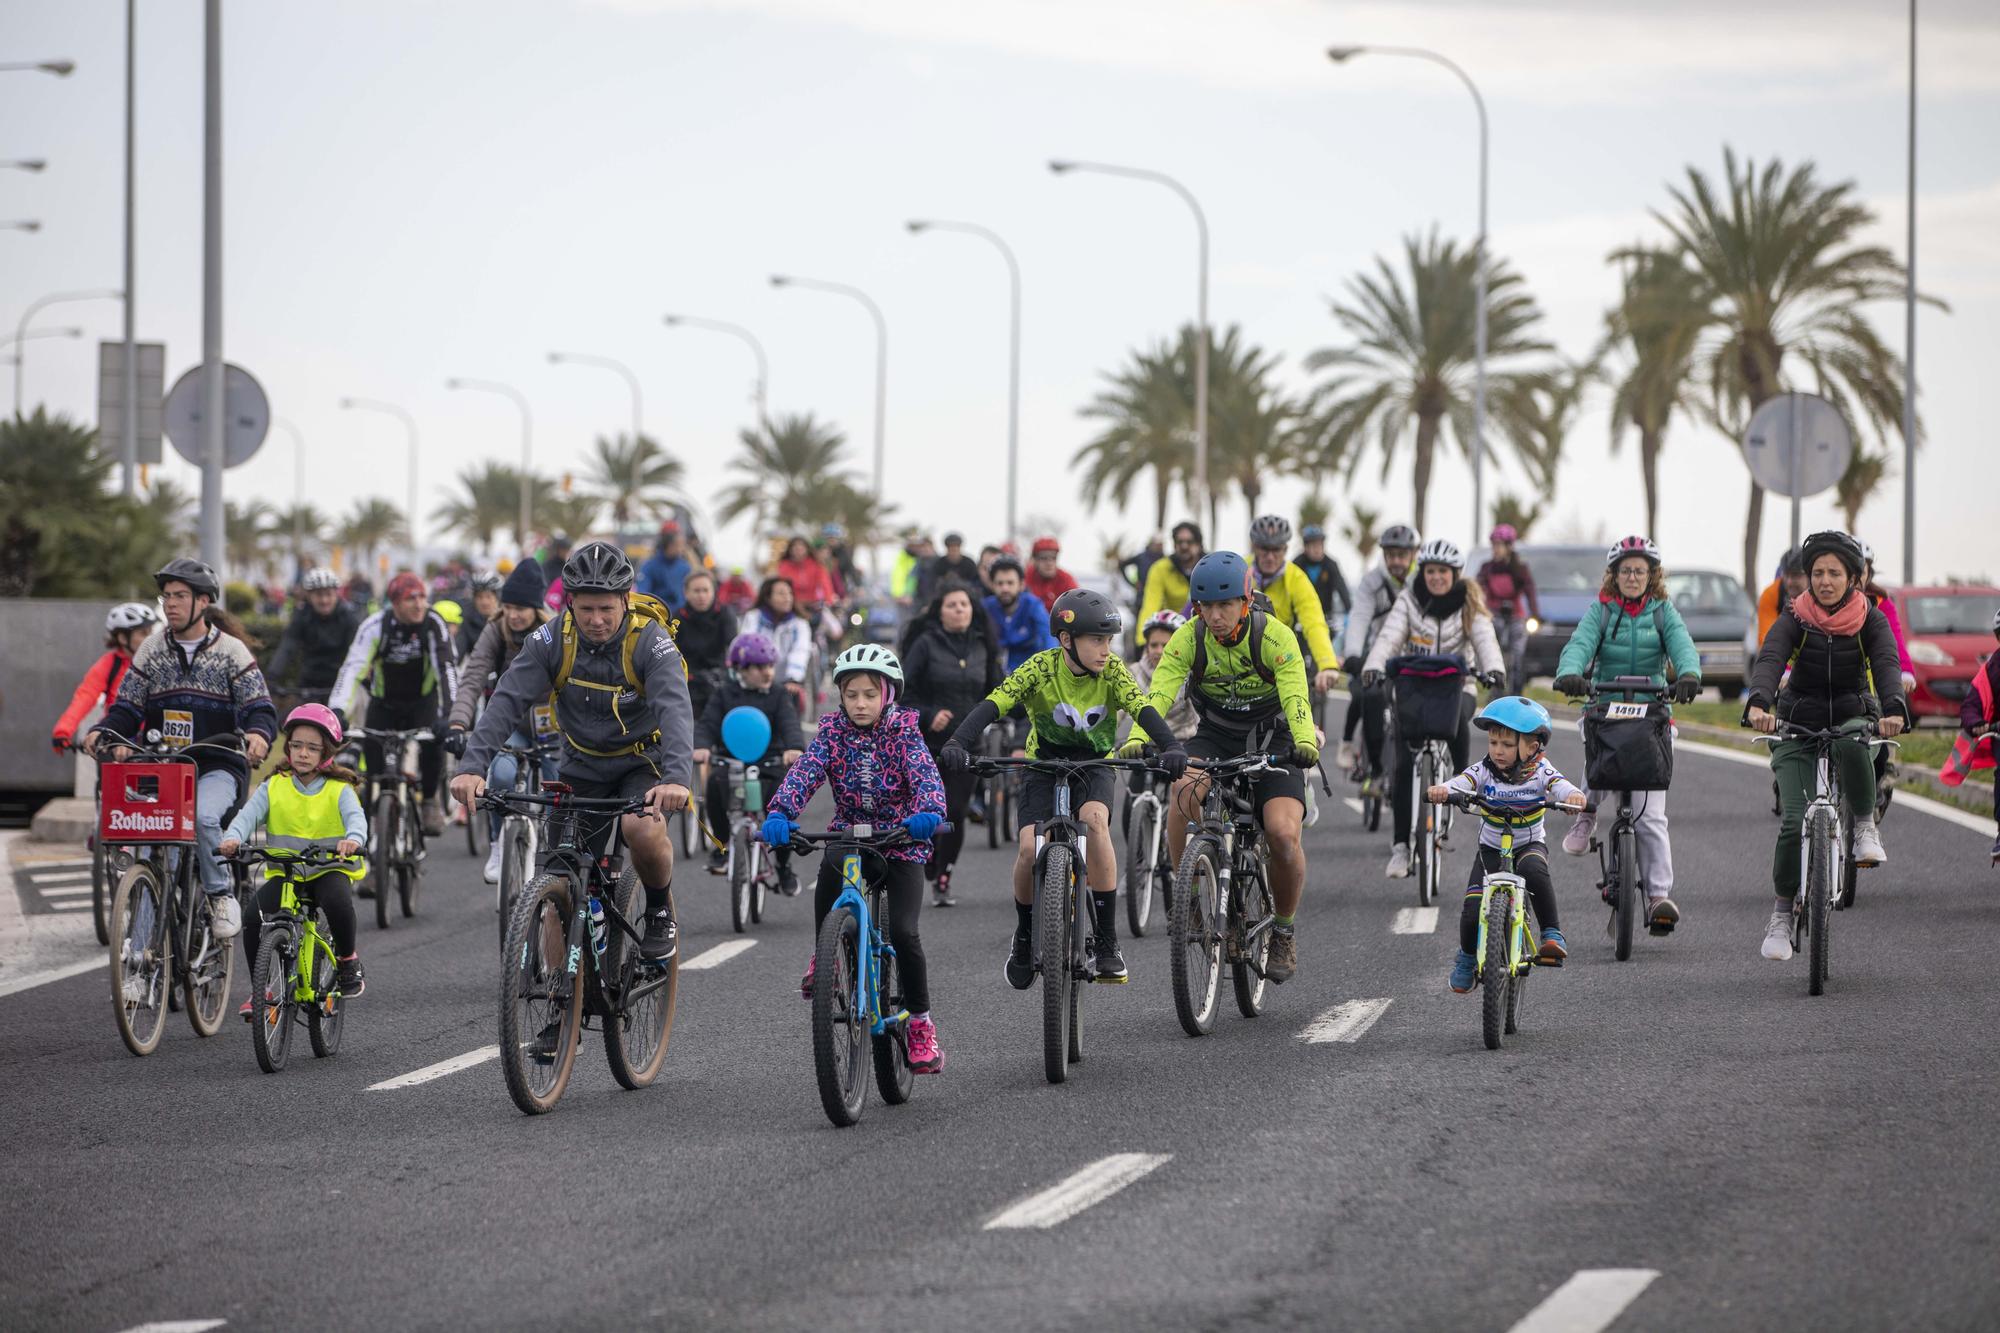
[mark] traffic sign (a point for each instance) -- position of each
(152, 358)
(1798, 444)
(247, 416)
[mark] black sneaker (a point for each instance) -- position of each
(788, 882)
(347, 978)
(542, 1050)
(941, 891)
(663, 939)
(718, 863)
(1021, 963)
(1996, 851)
(1110, 962)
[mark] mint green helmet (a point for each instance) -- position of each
(868, 657)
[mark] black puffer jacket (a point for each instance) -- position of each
(316, 645)
(946, 670)
(1830, 680)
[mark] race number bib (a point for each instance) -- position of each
(544, 721)
(1625, 711)
(177, 727)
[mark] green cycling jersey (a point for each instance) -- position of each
(1233, 692)
(1068, 712)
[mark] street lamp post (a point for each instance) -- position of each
(59, 68)
(525, 520)
(756, 350)
(34, 307)
(19, 338)
(128, 443)
(21, 224)
(881, 352)
(1340, 55)
(410, 425)
(918, 228)
(1198, 492)
(1910, 329)
(27, 163)
(607, 363)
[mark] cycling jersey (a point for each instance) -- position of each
(399, 661)
(1166, 588)
(1069, 714)
(1233, 692)
(1540, 783)
(1295, 604)
(317, 644)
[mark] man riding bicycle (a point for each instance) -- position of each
(1509, 586)
(404, 653)
(316, 637)
(1294, 601)
(1379, 589)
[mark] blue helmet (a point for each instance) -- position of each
(1517, 712)
(1219, 576)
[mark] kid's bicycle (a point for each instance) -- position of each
(750, 864)
(1507, 945)
(293, 981)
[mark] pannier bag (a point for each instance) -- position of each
(1428, 689)
(1628, 746)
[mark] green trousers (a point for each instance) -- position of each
(1794, 765)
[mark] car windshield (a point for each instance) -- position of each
(1566, 571)
(1705, 592)
(1951, 613)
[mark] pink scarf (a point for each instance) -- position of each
(1845, 619)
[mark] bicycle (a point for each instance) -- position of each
(1826, 862)
(1426, 680)
(520, 834)
(1062, 899)
(571, 956)
(751, 865)
(101, 860)
(1148, 868)
(857, 999)
(1001, 788)
(161, 936)
(1503, 912)
(1430, 831)
(395, 825)
(1620, 879)
(293, 980)
(1367, 775)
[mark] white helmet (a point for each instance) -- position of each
(1438, 551)
(319, 579)
(130, 615)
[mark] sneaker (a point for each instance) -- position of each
(1464, 972)
(941, 891)
(1663, 916)
(1283, 960)
(1577, 841)
(1110, 962)
(225, 919)
(492, 871)
(1399, 862)
(1345, 759)
(1312, 805)
(718, 861)
(1868, 844)
(1996, 850)
(788, 881)
(348, 978)
(663, 938)
(806, 982)
(542, 1050)
(243, 1013)
(925, 1055)
(433, 819)
(1021, 963)
(1554, 949)
(1778, 936)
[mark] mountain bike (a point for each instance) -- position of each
(161, 934)
(395, 825)
(572, 954)
(857, 999)
(1826, 856)
(1367, 775)
(1503, 915)
(520, 831)
(104, 866)
(750, 863)
(1149, 871)
(1621, 878)
(1000, 788)
(292, 981)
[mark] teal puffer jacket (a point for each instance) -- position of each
(1609, 643)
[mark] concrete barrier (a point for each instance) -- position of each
(47, 643)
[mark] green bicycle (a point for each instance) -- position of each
(293, 980)
(1503, 914)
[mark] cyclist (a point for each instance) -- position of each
(1379, 589)
(126, 627)
(521, 613)
(610, 672)
(1242, 670)
(316, 638)
(1633, 629)
(1167, 579)
(665, 572)
(1979, 728)
(195, 682)
(1073, 694)
(752, 662)
(479, 607)
(1294, 601)
(1842, 657)
(1440, 612)
(1021, 622)
(1047, 579)
(704, 633)
(404, 657)
(1508, 583)
(1789, 582)
(1323, 571)
(872, 755)
(952, 662)
(777, 617)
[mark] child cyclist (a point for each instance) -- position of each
(872, 754)
(1515, 771)
(1181, 719)
(125, 628)
(308, 802)
(1073, 694)
(752, 660)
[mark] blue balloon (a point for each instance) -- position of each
(746, 733)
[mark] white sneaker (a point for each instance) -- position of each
(1312, 804)
(492, 871)
(225, 920)
(1345, 760)
(1577, 841)
(1399, 862)
(1868, 850)
(1778, 937)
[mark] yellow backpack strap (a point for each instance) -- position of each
(566, 632)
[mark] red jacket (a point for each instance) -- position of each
(1977, 710)
(1050, 588)
(810, 585)
(98, 683)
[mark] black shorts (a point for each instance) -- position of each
(630, 785)
(1215, 743)
(1038, 794)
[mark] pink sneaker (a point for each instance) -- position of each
(925, 1057)
(1577, 841)
(806, 983)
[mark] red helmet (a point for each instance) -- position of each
(316, 715)
(1049, 544)
(404, 585)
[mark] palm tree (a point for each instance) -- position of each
(1251, 424)
(1778, 273)
(488, 499)
(1536, 410)
(245, 530)
(573, 512)
(63, 531)
(1866, 472)
(626, 470)
(1148, 408)
(173, 506)
(301, 526)
(867, 520)
(1409, 366)
(1508, 508)
(1658, 322)
(1360, 529)
(1314, 509)
(782, 465)
(370, 524)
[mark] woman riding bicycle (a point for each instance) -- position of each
(1842, 656)
(1632, 629)
(776, 616)
(952, 662)
(125, 628)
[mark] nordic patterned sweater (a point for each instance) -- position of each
(213, 691)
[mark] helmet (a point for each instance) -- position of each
(1219, 576)
(1272, 532)
(1834, 543)
(1503, 532)
(867, 657)
(130, 615)
(194, 573)
(316, 715)
(597, 567)
(1312, 532)
(1048, 544)
(1516, 712)
(1438, 551)
(1084, 611)
(1632, 546)
(832, 531)
(449, 611)
(752, 649)
(319, 579)
(954, 539)
(404, 585)
(1867, 553)
(486, 581)
(1001, 562)
(1400, 538)
(1162, 619)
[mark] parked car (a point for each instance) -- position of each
(1720, 618)
(1949, 631)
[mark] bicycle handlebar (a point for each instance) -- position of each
(1246, 763)
(1789, 732)
(1627, 685)
(875, 837)
(155, 748)
(304, 856)
(1465, 800)
(417, 734)
(607, 805)
(995, 762)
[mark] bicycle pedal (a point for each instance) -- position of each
(1109, 981)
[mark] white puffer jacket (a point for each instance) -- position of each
(1407, 629)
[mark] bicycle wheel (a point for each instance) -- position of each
(990, 799)
(763, 862)
(541, 1001)
(410, 857)
(142, 951)
(100, 890)
(1517, 989)
(382, 856)
(1625, 891)
(1423, 843)
(635, 1038)
(1250, 906)
(326, 1017)
(840, 1029)
(1053, 933)
(1139, 866)
(1495, 969)
(516, 864)
(1819, 900)
(893, 1075)
(739, 880)
(271, 999)
(211, 967)
(689, 841)
(1194, 934)
(475, 830)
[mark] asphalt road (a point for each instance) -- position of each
(1682, 1141)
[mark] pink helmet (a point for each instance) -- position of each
(1628, 546)
(1504, 533)
(752, 649)
(316, 715)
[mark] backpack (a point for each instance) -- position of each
(643, 609)
(1260, 613)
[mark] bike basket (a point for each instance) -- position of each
(146, 803)
(1627, 746)
(1428, 690)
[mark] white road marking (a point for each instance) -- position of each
(717, 956)
(178, 1326)
(78, 905)
(1589, 1301)
(1093, 1184)
(438, 1070)
(40, 877)
(1921, 804)
(1345, 1022)
(14, 985)
(1415, 921)
(1352, 803)
(66, 891)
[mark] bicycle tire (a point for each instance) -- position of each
(475, 829)
(100, 890)
(992, 807)
(739, 881)
(210, 971)
(1249, 905)
(635, 1041)
(840, 1037)
(140, 1027)
(410, 863)
(515, 866)
(763, 867)
(1423, 845)
(894, 1078)
(689, 844)
(1819, 901)
(1139, 868)
(326, 1017)
(1625, 893)
(534, 1086)
(1517, 990)
(271, 1000)
(1371, 809)
(1196, 942)
(1495, 972)
(1054, 932)
(1848, 870)
(382, 859)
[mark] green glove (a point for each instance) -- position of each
(1134, 747)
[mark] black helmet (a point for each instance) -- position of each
(597, 567)
(1834, 543)
(1084, 611)
(198, 577)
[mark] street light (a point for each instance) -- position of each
(782, 280)
(59, 68)
(19, 338)
(756, 350)
(21, 329)
(917, 228)
(525, 520)
(29, 225)
(1340, 55)
(1198, 492)
(607, 363)
(27, 164)
(410, 425)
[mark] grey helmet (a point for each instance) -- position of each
(597, 567)
(1400, 537)
(198, 577)
(1272, 532)
(320, 579)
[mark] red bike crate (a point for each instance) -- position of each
(146, 803)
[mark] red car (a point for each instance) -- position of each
(1949, 631)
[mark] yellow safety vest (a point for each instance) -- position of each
(298, 821)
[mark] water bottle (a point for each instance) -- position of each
(753, 787)
(597, 926)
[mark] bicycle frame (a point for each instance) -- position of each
(596, 877)
(1237, 835)
(855, 896)
(1521, 943)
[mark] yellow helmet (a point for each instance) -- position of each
(505, 566)
(449, 611)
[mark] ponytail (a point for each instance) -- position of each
(220, 617)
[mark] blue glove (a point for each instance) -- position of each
(922, 824)
(778, 830)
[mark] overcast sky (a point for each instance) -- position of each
(423, 188)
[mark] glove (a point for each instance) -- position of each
(1909, 683)
(1493, 680)
(1305, 756)
(1370, 679)
(1686, 688)
(952, 758)
(1173, 762)
(1573, 685)
(1133, 748)
(922, 824)
(454, 742)
(778, 830)
(60, 742)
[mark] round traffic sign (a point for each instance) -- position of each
(1798, 444)
(246, 416)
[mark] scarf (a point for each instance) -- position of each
(1630, 608)
(1442, 607)
(1845, 619)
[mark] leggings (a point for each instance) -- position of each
(388, 714)
(1530, 863)
(335, 894)
(1406, 765)
(905, 881)
(946, 846)
(1796, 765)
(1364, 708)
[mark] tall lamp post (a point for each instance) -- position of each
(620, 368)
(410, 425)
(1198, 492)
(782, 280)
(21, 329)
(917, 228)
(1341, 55)
(1910, 330)
(26, 164)
(21, 224)
(756, 350)
(526, 519)
(19, 338)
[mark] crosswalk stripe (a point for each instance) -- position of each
(438, 1070)
(717, 956)
(178, 1326)
(1415, 921)
(1070, 1196)
(41, 877)
(1588, 1302)
(1345, 1022)
(66, 891)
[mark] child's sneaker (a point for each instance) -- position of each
(1464, 971)
(1554, 949)
(925, 1055)
(1996, 850)
(806, 983)
(1662, 916)
(348, 978)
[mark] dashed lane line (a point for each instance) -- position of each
(1588, 1302)
(438, 1070)
(1415, 921)
(716, 956)
(15, 985)
(1345, 1022)
(1352, 803)
(1065, 1199)
(178, 1326)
